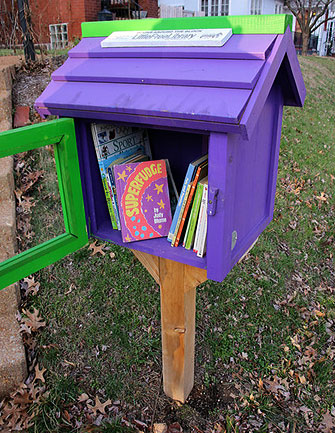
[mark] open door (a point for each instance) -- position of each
(61, 134)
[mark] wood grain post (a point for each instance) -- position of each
(178, 330)
(178, 284)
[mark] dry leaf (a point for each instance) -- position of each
(112, 255)
(322, 197)
(83, 397)
(319, 313)
(273, 385)
(260, 384)
(174, 428)
(69, 363)
(67, 415)
(33, 320)
(302, 380)
(72, 286)
(96, 249)
(140, 424)
(294, 341)
(39, 373)
(160, 428)
(25, 328)
(99, 406)
(328, 421)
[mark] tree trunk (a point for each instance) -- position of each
(305, 41)
(28, 45)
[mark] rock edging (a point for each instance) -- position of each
(13, 366)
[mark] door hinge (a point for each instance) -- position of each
(212, 199)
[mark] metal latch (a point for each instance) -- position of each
(212, 198)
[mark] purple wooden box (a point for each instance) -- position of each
(227, 101)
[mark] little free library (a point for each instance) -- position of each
(167, 146)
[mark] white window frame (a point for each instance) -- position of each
(58, 36)
(256, 7)
(222, 6)
(278, 8)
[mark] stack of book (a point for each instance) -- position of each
(116, 145)
(189, 223)
(126, 148)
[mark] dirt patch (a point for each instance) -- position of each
(31, 81)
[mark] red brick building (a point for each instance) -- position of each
(71, 13)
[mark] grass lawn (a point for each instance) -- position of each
(265, 337)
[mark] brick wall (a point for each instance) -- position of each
(73, 12)
(151, 6)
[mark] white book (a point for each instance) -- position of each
(202, 212)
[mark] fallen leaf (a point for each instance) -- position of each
(260, 384)
(99, 406)
(294, 341)
(22, 398)
(67, 415)
(160, 428)
(72, 286)
(328, 421)
(140, 424)
(302, 380)
(39, 373)
(69, 363)
(112, 255)
(174, 428)
(33, 320)
(319, 313)
(83, 397)
(96, 249)
(273, 385)
(25, 328)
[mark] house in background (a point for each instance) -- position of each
(58, 21)
(325, 34)
(322, 41)
(55, 23)
(224, 7)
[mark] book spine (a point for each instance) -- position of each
(189, 201)
(203, 229)
(108, 194)
(187, 230)
(175, 218)
(104, 178)
(180, 215)
(200, 222)
(114, 197)
(194, 216)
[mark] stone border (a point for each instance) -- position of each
(13, 366)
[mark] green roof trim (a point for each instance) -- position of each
(240, 24)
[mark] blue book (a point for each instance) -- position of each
(188, 178)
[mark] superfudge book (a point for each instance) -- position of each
(143, 198)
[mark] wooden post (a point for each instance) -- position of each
(178, 284)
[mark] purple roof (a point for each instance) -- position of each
(223, 88)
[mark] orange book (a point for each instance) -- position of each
(202, 170)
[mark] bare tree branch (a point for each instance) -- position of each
(322, 22)
(310, 14)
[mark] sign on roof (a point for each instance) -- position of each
(168, 38)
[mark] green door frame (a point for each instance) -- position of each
(61, 134)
